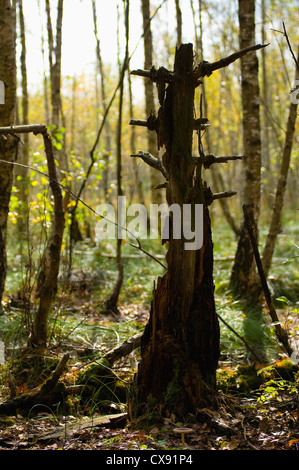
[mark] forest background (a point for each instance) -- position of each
(92, 54)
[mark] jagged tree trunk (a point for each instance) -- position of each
(157, 196)
(243, 277)
(180, 346)
(8, 147)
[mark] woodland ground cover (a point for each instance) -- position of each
(258, 405)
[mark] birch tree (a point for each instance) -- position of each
(101, 71)
(21, 172)
(149, 94)
(112, 301)
(275, 223)
(243, 276)
(54, 47)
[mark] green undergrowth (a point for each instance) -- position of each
(275, 381)
(77, 323)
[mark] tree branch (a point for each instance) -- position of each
(289, 44)
(210, 196)
(280, 332)
(206, 68)
(224, 194)
(152, 161)
(123, 349)
(209, 160)
(34, 128)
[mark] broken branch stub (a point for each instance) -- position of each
(205, 69)
(209, 160)
(152, 161)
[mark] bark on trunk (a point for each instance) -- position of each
(243, 277)
(21, 183)
(112, 301)
(178, 22)
(180, 346)
(157, 196)
(8, 147)
(104, 102)
(47, 281)
(275, 224)
(215, 171)
(57, 118)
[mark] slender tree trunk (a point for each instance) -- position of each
(21, 183)
(243, 277)
(281, 186)
(57, 118)
(45, 79)
(47, 280)
(215, 171)
(104, 101)
(8, 147)
(138, 183)
(73, 115)
(265, 98)
(112, 301)
(178, 22)
(157, 196)
(55, 66)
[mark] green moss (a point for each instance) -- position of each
(286, 369)
(101, 384)
(7, 421)
(95, 372)
(174, 387)
(248, 378)
(226, 380)
(244, 379)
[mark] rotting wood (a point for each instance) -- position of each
(112, 421)
(123, 349)
(180, 345)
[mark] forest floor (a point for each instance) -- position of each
(265, 418)
(256, 412)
